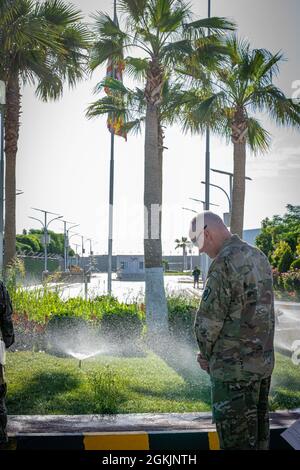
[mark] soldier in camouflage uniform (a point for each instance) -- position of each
(234, 328)
(7, 335)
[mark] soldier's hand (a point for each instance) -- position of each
(203, 362)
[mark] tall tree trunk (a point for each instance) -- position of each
(12, 125)
(184, 258)
(156, 304)
(238, 190)
(238, 136)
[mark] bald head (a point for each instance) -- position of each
(208, 232)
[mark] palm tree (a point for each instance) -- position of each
(242, 87)
(184, 244)
(41, 44)
(162, 31)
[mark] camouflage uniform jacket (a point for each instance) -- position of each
(6, 324)
(234, 324)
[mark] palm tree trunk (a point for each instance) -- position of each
(156, 304)
(12, 125)
(238, 191)
(184, 258)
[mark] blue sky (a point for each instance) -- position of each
(63, 159)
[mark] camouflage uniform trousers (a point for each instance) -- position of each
(240, 411)
(3, 412)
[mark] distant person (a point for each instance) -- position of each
(6, 340)
(196, 275)
(234, 328)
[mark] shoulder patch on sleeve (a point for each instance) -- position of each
(206, 293)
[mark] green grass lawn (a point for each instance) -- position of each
(42, 384)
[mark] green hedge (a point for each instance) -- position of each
(41, 315)
(182, 311)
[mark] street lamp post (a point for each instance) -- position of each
(77, 245)
(219, 187)
(82, 251)
(2, 107)
(69, 238)
(45, 225)
(203, 258)
(207, 151)
(203, 202)
(91, 252)
(228, 173)
(67, 244)
(111, 190)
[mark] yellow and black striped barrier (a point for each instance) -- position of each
(135, 440)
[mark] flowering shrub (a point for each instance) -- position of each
(287, 284)
(29, 335)
(291, 281)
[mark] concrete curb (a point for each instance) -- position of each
(141, 431)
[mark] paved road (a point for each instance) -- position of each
(128, 291)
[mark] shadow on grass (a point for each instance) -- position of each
(40, 392)
(66, 393)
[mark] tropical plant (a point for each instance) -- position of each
(295, 264)
(283, 257)
(240, 87)
(280, 229)
(41, 44)
(184, 244)
(162, 31)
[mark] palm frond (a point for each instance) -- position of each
(115, 86)
(58, 13)
(136, 67)
(106, 28)
(174, 52)
(258, 138)
(106, 105)
(168, 15)
(284, 111)
(134, 9)
(103, 50)
(216, 25)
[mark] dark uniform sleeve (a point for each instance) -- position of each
(212, 312)
(6, 324)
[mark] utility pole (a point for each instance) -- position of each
(111, 189)
(45, 225)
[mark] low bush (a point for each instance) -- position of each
(182, 311)
(122, 323)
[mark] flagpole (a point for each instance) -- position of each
(111, 192)
(207, 171)
(207, 151)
